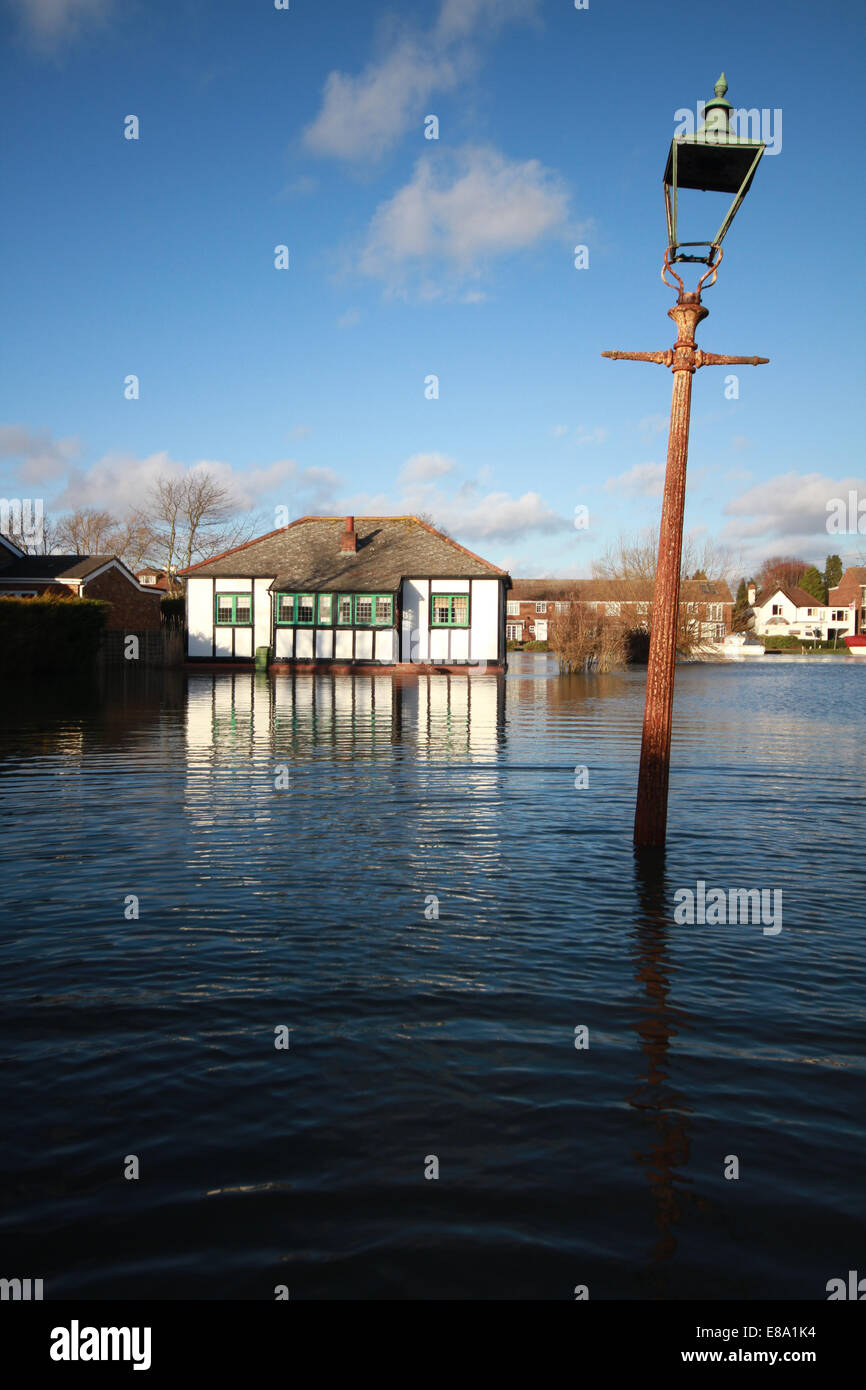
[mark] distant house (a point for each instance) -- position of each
(532, 603)
(153, 579)
(786, 610)
(133, 607)
(323, 591)
(850, 593)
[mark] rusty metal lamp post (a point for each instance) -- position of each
(713, 159)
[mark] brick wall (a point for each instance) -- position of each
(131, 610)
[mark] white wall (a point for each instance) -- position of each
(262, 613)
(419, 643)
(485, 620)
(415, 637)
(199, 616)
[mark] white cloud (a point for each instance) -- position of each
(40, 457)
(362, 116)
(468, 514)
(557, 431)
(349, 319)
(423, 468)
(653, 424)
(52, 22)
(595, 436)
(792, 506)
(643, 480)
(119, 482)
(461, 209)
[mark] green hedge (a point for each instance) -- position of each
(801, 644)
(50, 633)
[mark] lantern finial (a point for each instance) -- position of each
(721, 86)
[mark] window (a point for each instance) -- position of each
(839, 615)
(304, 610)
(512, 608)
(513, 632)
(233, 610)
(296, 609)
(561, 607)
(541, 608)
(449, 610)
(148, 579)
(612, 609)
(777, 610)
(373, 610)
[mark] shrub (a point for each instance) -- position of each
(584, 642)
(50, 632)
(173, 609)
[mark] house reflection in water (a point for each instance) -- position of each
(441, 717)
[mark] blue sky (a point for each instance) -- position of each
(412, 257)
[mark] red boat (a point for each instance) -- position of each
(856, 645)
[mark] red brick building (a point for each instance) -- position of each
(851, 592)
(532, 603)
(134, 608)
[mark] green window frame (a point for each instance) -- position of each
(226, 610)
(291, 607)
(285, 610)
(449, 610)
(334, 610)
(374, 610)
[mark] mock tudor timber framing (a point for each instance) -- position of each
(287, 565)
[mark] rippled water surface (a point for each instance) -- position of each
(290, 843)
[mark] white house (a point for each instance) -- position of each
(388, 590)
(789, 611)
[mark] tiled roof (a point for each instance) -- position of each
(848, 589)
(800, 598)
(615, 590)
(40, 566)
(306, 555)
(85, 565)
(76, 567)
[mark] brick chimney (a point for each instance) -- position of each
(349, 537)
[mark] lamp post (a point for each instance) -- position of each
(713, 159)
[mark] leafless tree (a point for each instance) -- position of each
(191, 518)
(431, 521)
(631, 561)
(86, 531)
(783, 570)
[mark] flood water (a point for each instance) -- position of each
(402, 872)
